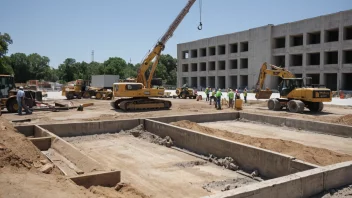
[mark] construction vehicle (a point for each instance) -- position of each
(139, 93)
(295, 94)
(8, 93)
(186, 92)
(81, 88)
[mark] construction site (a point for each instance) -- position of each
(134, 138)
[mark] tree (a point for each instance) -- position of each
(39, 66)
(67, 70)
(5, 41)
(115, 66)
(21, 67)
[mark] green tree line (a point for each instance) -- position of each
(36, 67)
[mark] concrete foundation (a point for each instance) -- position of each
(287, 176)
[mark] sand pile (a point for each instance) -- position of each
(318, 156)
(346, 119)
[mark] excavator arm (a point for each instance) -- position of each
(274, 71)
(159, 46)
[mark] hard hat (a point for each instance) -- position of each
(21, 87)
(230, 89)
(219, 89)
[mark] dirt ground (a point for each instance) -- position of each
(314, 155)
(261, 130)
(103, 111)
(155, 170)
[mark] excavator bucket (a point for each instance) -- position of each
(263, 94)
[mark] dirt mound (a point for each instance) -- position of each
(125, 190)
(318, 156)
(15, 149)
(20, 161)
(346, 119)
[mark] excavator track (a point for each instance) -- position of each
(132, 104)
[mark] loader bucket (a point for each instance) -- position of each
(263, 94)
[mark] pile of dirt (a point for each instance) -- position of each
(345, 191)
(318, 156)
(17, 151)
(345, 119)
(20, 165)
(139, 132)
(120, 191)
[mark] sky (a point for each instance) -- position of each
(129, 28)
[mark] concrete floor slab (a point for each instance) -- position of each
(156, 170)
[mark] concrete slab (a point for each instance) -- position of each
(155, 170)
(270, 164)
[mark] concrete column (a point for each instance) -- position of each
(304, 62)
(339, 80)
(287, 61)
(198, 82)
(216, 81)
(322, 78)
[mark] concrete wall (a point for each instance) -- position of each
(211, 117)
(301, 184)
(269, 164)
(320, 127)
(106, 179)
(42, 143)
(90, 128)
(261, 49)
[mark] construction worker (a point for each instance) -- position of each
(207, 93)
(245, 95)
(218, 99)
(213, 96)
(231, 95)
(21, 102)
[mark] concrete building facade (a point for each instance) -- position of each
(319, 47)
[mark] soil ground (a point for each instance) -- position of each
(314, 155)
(103, 111)
(155, 170)
(256, 129)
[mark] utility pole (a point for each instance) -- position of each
(92, 55)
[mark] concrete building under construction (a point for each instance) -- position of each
(319, 47)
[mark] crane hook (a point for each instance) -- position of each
(200, 26)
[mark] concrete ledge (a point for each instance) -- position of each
(301, 184)
(40, 132)
(263, 118)
(269, 164)
(320, 127)
(298, 165)
(42, 143)
(106, 179)
(70, 152)
(90, 128)
(210, 117)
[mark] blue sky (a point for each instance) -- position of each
(129, 28)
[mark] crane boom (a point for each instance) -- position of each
(159, 46)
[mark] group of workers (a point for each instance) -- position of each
(216, 96)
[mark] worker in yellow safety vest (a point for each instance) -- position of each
(207, 90)
(231, 95)
(218, 99)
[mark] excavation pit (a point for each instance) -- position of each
(182, 168)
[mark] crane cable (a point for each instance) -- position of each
(200, 26)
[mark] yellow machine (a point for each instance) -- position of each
(294, 93)
(136, 95)
(8, 92)
(81, 89)
(186, 92)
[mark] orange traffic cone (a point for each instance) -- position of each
(342, 95)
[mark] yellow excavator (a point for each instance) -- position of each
(137, 95)
(295, 94)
